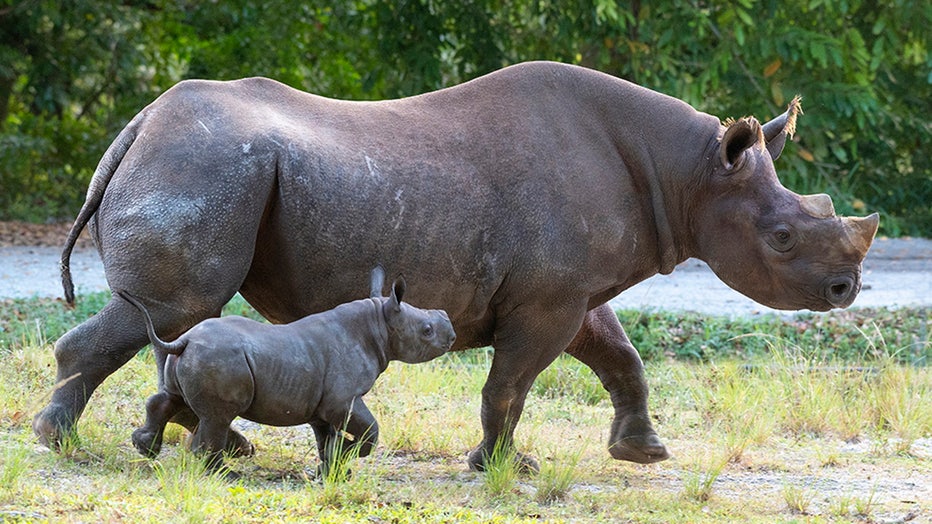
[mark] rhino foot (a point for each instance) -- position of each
(52, 425)
(238, 445)
(526, 464)
(634, 439)
(147, 442)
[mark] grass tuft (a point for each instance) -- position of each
(501, 469)
(798, 498)
(557, 476)
(699, 480)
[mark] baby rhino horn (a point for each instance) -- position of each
(861, 231)
(817, 206)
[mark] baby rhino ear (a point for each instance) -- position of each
(398, 290)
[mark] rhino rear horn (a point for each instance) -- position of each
(776, 130)
(817, 206)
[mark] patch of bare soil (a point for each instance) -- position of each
(47, 235)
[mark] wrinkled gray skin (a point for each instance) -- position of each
(519, 202)
(314, 370)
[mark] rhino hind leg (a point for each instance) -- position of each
(87, 355)
(237, 445)
(93, 350)
(603, 345)
(159, 410)
(210, 439)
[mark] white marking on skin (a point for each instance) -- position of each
(401, 208)
(246, 147)
(373, 167)
(205, 127)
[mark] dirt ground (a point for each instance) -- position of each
(45, 235)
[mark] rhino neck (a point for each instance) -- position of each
(660, 140)
(666, 246)
(670, 166)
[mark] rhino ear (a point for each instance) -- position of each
(398, 290)
(776, 130)
(738, 138)
(376, 281)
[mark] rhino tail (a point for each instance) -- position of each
(95, 193)
(172, 348)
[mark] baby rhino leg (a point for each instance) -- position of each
(160, 408)
(210, 438)
(337, 450)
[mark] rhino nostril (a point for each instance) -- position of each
(840, 290)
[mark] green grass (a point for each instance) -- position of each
(797, 429)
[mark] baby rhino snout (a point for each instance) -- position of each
(445, 333)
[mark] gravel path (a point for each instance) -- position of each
(897, 273)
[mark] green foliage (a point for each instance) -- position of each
(854, 334)
(71, 74)
(572, 379)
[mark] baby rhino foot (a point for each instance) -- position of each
(239, 446)
(147, 442)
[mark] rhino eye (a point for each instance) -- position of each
(782, 239)
(428, 330)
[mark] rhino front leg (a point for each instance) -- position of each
(360, 424)
(324, 433)
(526, 342)
(87, 355)
(603, 345)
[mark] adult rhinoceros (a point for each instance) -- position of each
(519, 202)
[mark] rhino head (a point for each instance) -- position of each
(414, 335)
(784, 250)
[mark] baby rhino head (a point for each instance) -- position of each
(414, 335)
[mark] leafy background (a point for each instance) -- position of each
(72, 73)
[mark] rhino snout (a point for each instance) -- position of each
(840, 291)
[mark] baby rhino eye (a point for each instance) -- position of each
(428, 330)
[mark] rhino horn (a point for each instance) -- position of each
(776, 130)
(817, 206)
(861, 231)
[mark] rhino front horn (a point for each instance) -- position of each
(861, 231)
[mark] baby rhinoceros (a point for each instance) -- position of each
(314, 370)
